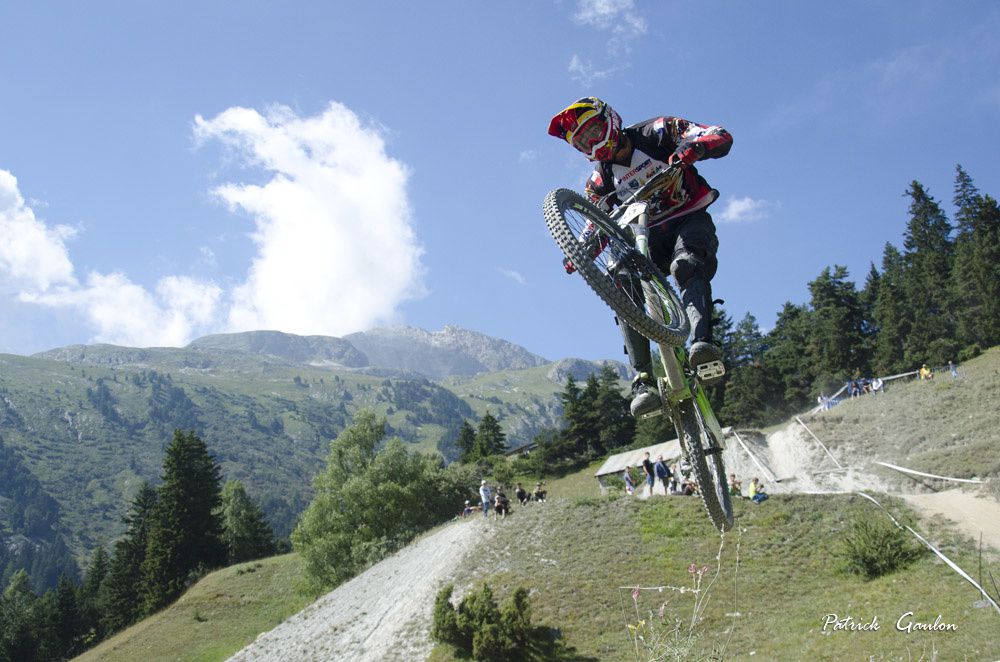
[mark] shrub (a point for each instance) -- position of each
(515, 617)
(874, 547)
(479, 628)
(444, 625)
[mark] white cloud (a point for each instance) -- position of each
(746, 209)
(32, 255)
(125, 313)
(585, 73)
(513, 275)
(335, 249)
(527, 155)
(618, 17)
(35, 264)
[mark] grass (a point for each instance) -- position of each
(216, 617)
(944, 426)
(575, 553)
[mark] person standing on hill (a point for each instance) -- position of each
(486, 497)
(647, 468)
(663, 473)
(682, 237)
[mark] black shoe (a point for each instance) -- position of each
(645, 397)
(706, 361)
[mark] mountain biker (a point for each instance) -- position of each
(682, 235)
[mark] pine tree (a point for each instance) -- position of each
(893, 318)
(245, 531)
(185, 535)
(90, 611)
(466, 442)
(752, 396)
(836, 340)
(745, 343)
(66, 619)
(18, 631)
(974, 286)
(867, 298)
(986, 271)
(490, 437)
(787, 355)
(928, 260)
(581, 433)
(120, 596)
(616, 426)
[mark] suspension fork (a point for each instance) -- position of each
(671, 357)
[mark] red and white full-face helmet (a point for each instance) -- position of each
(591, 126)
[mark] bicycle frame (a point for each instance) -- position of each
(674, 386)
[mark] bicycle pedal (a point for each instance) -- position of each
(710, 371)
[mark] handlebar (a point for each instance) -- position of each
(656, 183)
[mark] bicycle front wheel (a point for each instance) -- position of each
(623, 277)
(705, 455)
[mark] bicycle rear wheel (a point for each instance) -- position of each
(705, 455)
(623, 277)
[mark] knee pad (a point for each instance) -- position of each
(685, 266)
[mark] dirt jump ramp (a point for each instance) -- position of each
(382, 614)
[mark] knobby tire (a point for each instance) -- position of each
(671, 329)
(708, 468)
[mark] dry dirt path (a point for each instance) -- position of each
(383, 613)
(972, 514)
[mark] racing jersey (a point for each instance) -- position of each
(653, 142)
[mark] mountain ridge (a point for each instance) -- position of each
(406, 349)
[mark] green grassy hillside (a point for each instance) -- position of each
(92, 433)
(946, 426)
(219, 615)
(581, 557)
(90, 422)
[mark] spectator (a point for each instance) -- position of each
(501, 505)
(663, 473)
(627, 477)
(952, 369)
(674, 473)
(486, 497)
(521, 494)
(735, 489)
(688, 488)
(877, 385)
(757, 493)
(647, 468)
(540, 491)
(925, 372)
(467, 510)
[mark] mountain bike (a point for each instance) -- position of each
(611, 252)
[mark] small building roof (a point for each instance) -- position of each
(670, 450)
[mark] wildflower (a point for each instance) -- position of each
(635, 593)
(693, 568)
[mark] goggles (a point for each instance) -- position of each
(593, 134)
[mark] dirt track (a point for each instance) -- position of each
(972, 514)
(383, 613)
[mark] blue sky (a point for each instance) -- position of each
(169, 170)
